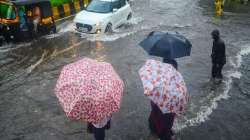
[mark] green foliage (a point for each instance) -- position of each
(60, 2)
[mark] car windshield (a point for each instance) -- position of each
(7, 11)
(99, 6)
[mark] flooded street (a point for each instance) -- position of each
(29, 109)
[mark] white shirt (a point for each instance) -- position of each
(102, 123)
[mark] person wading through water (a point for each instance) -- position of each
(218, 56)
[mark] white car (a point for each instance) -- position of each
(103, 16)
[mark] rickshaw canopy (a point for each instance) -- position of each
(28, 2)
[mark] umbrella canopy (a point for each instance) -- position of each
(166, 45)
(164, 85)
(89, 90)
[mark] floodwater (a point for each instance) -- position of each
(28, 73)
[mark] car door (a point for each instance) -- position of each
(124, 11)
(116, 14)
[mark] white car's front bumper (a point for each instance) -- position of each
(86, 28)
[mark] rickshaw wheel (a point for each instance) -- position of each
(53, 30)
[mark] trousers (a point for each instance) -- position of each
(217, 70)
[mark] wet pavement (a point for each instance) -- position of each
(30, 110)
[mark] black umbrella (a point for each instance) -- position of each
(166, 45)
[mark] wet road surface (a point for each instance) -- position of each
(30, 110)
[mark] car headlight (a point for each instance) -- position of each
(98, 31)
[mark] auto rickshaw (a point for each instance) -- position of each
(25, 19)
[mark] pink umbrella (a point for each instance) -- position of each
(164, 85)
(89, 90)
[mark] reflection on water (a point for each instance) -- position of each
(98, 52)
(73, 42)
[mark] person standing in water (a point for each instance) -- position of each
(161, 124)
(218, 55)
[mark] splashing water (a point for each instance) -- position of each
(128, 29)
(205, 111)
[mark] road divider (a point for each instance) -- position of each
(69, 9)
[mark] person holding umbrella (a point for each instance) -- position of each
(90, 91)
(159, 123)
(166, 89)
(169, 46)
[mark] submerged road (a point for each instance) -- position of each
(29, 109)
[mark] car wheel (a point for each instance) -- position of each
(7, 38)
(109, 28)
(129, 16)
(52, 30)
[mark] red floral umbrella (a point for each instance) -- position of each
(89, 90)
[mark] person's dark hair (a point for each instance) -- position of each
(171, 62)
(215, 33)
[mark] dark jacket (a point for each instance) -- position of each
(218, 52)
(161, 124)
